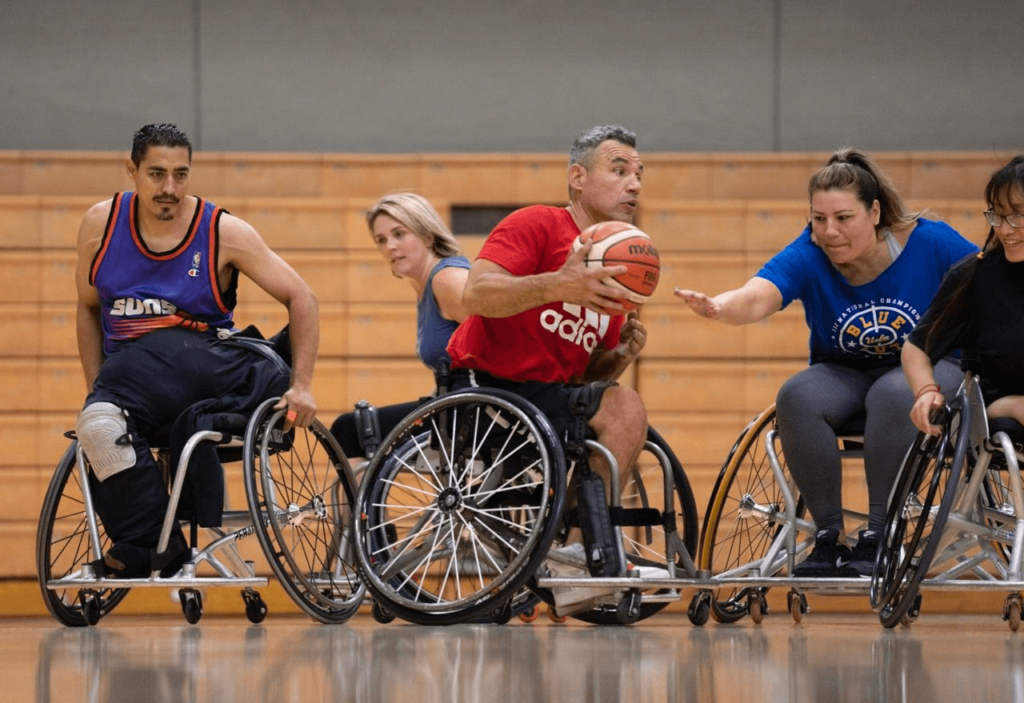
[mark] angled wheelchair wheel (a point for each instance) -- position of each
(745, 516)
(643, 491)
(64, 545)
(300, 492)
(458, 506)
(918, 509)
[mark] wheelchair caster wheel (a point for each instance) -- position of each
(915, 610)
(555, 617)
(1012, 611)
(255, 606)
(530, 615)
(380, 614)
(627, 610)
(796, 602)
(191, 604)
(90, 607)
(502, 615)
(757, 606)
(700, 609)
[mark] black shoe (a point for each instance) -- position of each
(828, 559)
(129, 561)
(125, 560)
(864, 553)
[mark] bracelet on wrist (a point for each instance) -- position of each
(928, 388)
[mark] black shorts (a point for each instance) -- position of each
(561, 403)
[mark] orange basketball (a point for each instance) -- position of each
(622, 244)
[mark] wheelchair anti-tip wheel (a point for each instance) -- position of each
(300, 491)
(458, 506)
(918, 509)
(64, 545)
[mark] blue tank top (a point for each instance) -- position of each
(433, 330)
(141, 291)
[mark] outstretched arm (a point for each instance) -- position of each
(755, 301)
(242, 247)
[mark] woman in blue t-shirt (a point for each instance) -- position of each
(865, 270)
(420, 248)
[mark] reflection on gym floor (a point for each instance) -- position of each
(826, 658)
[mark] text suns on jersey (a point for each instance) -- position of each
(582, 329)
(133, 307)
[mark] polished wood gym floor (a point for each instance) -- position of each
(826, 657)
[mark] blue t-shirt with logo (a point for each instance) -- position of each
(865, 326)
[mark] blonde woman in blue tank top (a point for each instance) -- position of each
(419, 248)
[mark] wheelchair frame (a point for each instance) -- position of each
(409, 537)
(70, 538)
(952, 515)
(759, 505)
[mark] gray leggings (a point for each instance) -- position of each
(812, 404)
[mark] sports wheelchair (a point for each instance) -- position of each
(459, 508)
(756, 528)
(299, 490)
(956, 515)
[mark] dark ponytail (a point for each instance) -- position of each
(850, 169)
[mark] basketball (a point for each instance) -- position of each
(622, 244)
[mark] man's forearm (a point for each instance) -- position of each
(304, 325)
(503, 295)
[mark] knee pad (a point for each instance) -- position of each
(102, 430)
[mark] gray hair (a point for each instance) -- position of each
(586, 143)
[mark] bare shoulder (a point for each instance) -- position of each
(451, 275)
(235, 228)
(90, 233)
(238, 238)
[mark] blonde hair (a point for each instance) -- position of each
(417, 214)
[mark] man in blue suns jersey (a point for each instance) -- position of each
(156, 277)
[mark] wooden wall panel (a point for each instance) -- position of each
(712, 386)
(952, 174)
(706, 225)
(298, 223)
(369, 176)
(381, 330)
(272, 175)
(19, 222)
(386, 381)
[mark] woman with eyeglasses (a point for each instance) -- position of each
(865, 269)
(980, 309)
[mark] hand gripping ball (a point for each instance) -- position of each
(622, 244)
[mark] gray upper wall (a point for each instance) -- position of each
(514, 76)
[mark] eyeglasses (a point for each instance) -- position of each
(1015, 220)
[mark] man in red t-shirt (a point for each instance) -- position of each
(541, 323)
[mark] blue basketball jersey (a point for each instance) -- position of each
(141, 291)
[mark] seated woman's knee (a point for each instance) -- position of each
(797, 394)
